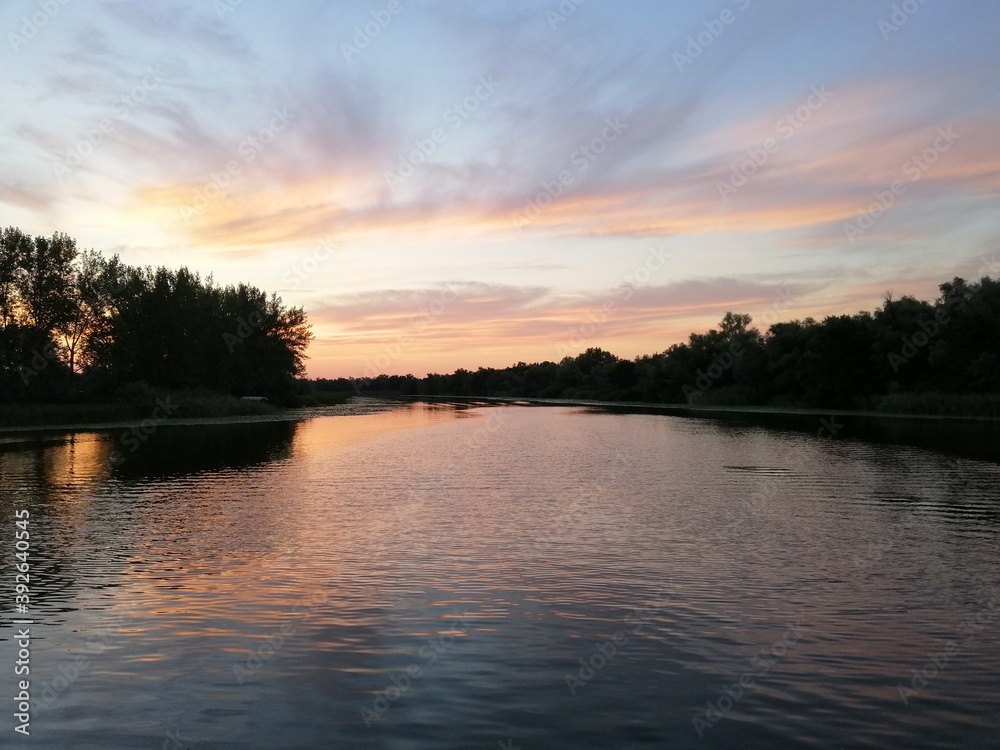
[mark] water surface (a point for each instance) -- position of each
(445, 577)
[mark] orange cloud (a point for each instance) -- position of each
(471, 325)
(823, 167)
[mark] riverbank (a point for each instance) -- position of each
(967, 437)
(684, 410)
(18, 418)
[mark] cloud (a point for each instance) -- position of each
(394, 309)
(323, 176)
(174, 22)
(163, 176)
(450, 322)
(24, 195)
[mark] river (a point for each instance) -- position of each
(462, 576)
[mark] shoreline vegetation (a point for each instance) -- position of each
(78, 328)
(85, 339)
(31, 417)
(707, 411)
(909, 356)
(222, 410)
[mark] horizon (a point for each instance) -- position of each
(474, 187)
(989, 266)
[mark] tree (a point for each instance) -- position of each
(89, 307)
(15, 247)
(46, 282)
(836, 368)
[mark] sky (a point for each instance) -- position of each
(457, 184)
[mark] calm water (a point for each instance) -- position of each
(507, 577)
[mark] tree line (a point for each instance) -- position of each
(909, 354)
(77, 325)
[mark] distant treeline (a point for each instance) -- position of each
(75, 325)
(909, 355)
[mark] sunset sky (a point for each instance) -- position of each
(464, 184)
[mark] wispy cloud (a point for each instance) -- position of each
(197, 170)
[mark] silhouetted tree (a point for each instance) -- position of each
(845, 361)
(118, 324)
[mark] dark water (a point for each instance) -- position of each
(440, 577)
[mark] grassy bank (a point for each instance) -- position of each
(38, 415)
(922, 403)
(320, 398)
(971, 408)
(169, 406)
(139, 404)
(943, 404)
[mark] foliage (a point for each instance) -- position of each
(73, 323)
(879, 360)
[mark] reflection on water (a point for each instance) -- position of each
(968, 438)
(439, 576)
